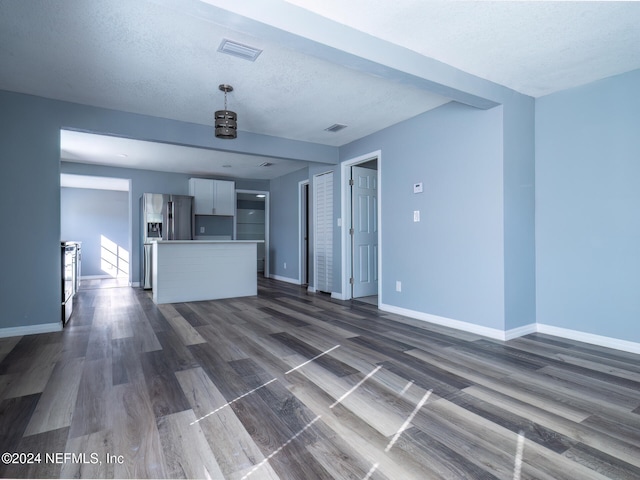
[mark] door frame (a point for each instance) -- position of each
(267, 220)
(346, 217)
(304, 218)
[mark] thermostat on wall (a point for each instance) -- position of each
(417, 187)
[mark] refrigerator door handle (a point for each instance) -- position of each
(173, 220)
(172, 223)
(147, 273)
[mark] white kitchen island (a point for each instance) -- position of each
(192, 270)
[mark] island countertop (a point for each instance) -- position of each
(207, 241)
(195, 270)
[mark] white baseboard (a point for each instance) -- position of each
(338, 296)
(311, 289)
(497, 334)
(30, 330)
(285, 279)
(494, 333)
(520, 331)
(105, 277)
(591, 338)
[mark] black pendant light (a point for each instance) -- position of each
(226, 120)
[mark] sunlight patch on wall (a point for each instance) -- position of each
(114, 260)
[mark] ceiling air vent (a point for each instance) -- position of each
(265, 164)
(336, 127)
(239, 50)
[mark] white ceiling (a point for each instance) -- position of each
(533, 47)
(160, 58)
(98, 149)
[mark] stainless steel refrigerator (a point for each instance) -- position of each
(163, 217)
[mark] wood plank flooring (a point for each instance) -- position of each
(293, 385)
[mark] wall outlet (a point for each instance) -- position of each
(417, 187)
(201, 229)
(398, 286)
(416, 215)
(285, 265)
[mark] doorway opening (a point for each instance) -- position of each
(252, 223)
(361, 232)
(95, 212)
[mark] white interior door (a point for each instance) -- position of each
(323, 231)
(364, 224)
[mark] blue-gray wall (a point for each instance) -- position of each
(30, 195)
(451, 263)
(519, 211)
(30, 187)
(472, 256)
(588, 208)
(87, 215)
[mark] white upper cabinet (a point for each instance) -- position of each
(213, 197)
(202, 191)
(224, 197)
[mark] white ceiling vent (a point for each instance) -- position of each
(239, 50)
(336, 127)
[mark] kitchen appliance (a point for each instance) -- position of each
(69, 267)
(76, 283)
(163, 217)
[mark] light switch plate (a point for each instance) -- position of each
(417, 187)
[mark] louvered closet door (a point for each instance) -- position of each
(323, 234)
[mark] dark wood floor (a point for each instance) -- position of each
(294, 385)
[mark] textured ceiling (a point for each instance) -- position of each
(535, 48)
(160, 58)
(141, 57)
